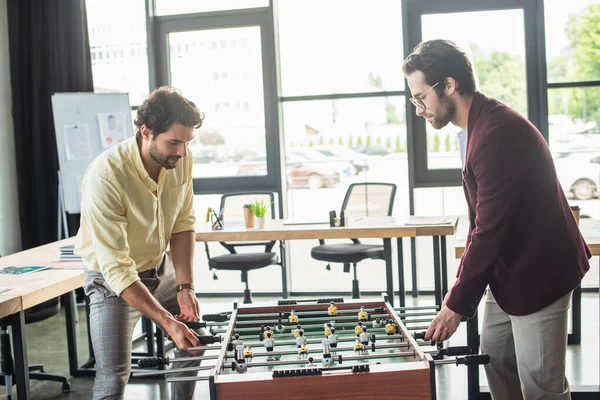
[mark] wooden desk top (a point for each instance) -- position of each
(38, 287)
(385, 227)
(590, 228)
(9, 304)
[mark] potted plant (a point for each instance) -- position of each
(259, 207)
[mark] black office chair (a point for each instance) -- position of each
(368, 199)
(37, 313)
(232, 206)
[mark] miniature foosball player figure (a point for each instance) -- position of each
(240, 361)
(332, 310)
(298, 330)
(377, 323)
(248, 353)
(293, 318)
(333, 339)
(311, 364)
(328, 327)
(358, 329)
(327, 360)
(280, 328)
(362, 314)
(303, 351)
(364, 338)
(268, 330)
(269, 344)
(301, 339)
(390, 327)
(358, 347)
(237, 342)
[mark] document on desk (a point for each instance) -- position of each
(23, 270)
(417, 221)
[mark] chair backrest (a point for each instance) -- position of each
(232, 204)
(369, 199)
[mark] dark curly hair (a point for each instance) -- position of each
(164, 107)
(439, 59)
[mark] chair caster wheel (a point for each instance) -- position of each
(66, 387)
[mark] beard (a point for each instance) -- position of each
(444, 113)
(165, 161)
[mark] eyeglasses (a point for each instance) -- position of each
(417, 100)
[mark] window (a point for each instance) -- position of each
(171, 7)
(343, 118)
(348, 48)
(125, 34)
(574, 102)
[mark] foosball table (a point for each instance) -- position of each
(324, 348)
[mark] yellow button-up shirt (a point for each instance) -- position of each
(127, 218)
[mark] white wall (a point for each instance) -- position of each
(10, 232)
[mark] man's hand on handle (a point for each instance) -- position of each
(443, 325)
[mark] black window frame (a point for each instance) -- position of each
(420, 176)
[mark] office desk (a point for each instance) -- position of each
(386, 228)
(32, 289)
(9, 304)
(590, 229)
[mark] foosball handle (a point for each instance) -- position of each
(419, 335)
(209, 339)
(330, 299)
(455, 351)
(152, 362)
(478, 359)
(215, 317)
(195, 325)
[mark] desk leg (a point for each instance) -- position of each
(444, 268)
(389, 273)
(575, 335)
(436, 270)
(473, 370)
(69, 304)
(17, 322)
(413, 256)
(285, 293)
(401, 289)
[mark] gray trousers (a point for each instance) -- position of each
(112, 321)
(527, 353)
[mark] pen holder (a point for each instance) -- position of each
(216, 221)
(333, 219)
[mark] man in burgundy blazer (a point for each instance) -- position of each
(523, 241)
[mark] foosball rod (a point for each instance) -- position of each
(311, 328)
(224, 316)
(371, 356)
(317, 350)
(303, 321)
(138, 374)
(324, 319)
(174, 379)
(316, 341)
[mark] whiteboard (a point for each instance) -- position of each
(78, 118)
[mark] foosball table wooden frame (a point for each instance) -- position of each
(411, 378)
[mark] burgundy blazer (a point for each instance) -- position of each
(523, 240)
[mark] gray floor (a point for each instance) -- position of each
(47, 345)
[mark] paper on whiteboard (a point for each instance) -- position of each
(77, 142)
(112, 128)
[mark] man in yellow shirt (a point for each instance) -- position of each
(137, 199)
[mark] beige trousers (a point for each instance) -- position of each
(527, 353)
